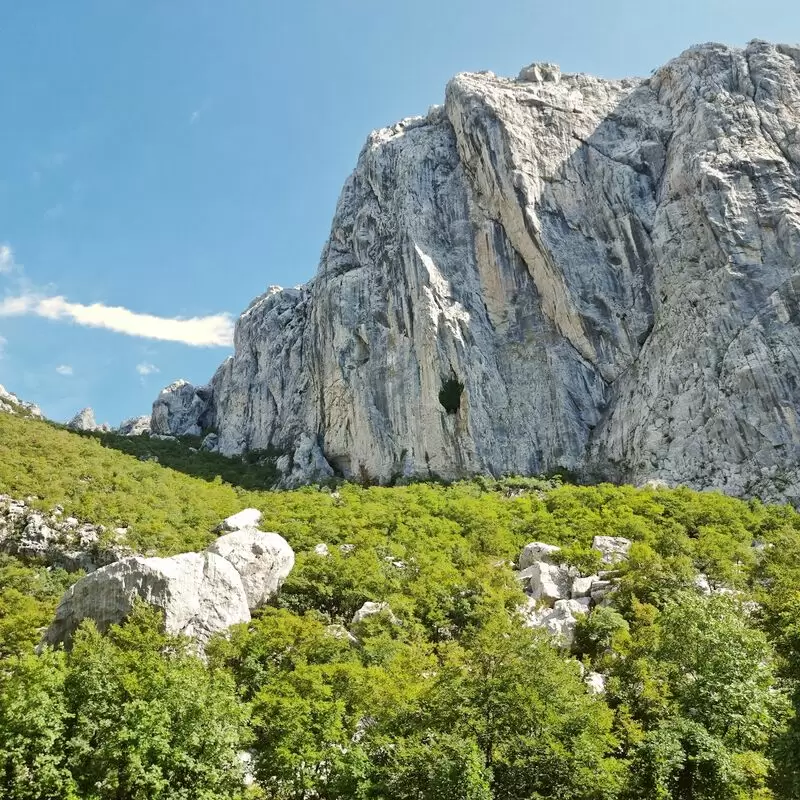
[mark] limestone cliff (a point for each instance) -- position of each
(610, 270)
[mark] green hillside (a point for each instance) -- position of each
(458, 701)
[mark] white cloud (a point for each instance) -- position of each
(64, 369)
(215, 330)
(7, 263)
(146, 369)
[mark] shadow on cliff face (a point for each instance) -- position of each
(254, 470)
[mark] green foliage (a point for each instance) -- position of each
(131, 715)
(450, 698)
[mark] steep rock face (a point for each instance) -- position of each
(181, 409)
(602, 276)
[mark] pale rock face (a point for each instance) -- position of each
(263, 561)
(609, 267)
(135, 426)
(559, 621)
(181, 410)
(538, 551)
(550, 582)
(612, 549)
(247, 518)
(200, 594)
(11, 404)
(321, 550)
(84, 421)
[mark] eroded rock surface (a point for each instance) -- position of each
(263, 560)
(549, 272)
(200, 594)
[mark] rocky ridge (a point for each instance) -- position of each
(11, 404)
(545, 273)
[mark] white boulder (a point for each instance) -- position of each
(595, 682)
(248, 518)
(370, 609)
(612, 549)
(263, 561)
(535, 552)
(200, 594)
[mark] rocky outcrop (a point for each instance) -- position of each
(84, 421)
(11, 404)
(558, 595)
(135, 426)
(54, 540)
(549, 272)
(182, 410)
(200, 594)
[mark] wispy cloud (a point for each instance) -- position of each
(194, 117)
(146, 369)
(3, 343)
(7, 263)
(215, 330)
(64, 369)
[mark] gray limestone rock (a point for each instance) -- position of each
(84, 421)
(200, 594)
(135, 426)
(596, 275)
(370, 609)
(612, 549)
(538, 551)
(263, 561)
(182, 409)
(11, 404)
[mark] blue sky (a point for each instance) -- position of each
(174, 158)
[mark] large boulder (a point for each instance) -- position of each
(612, 549)
(247, 518)
(200, 594)
(263, 561)
(538, 551)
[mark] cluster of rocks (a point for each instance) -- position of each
(11, 404)
(200, 594)
(51, 539)
(85, 421)
(557, 593)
